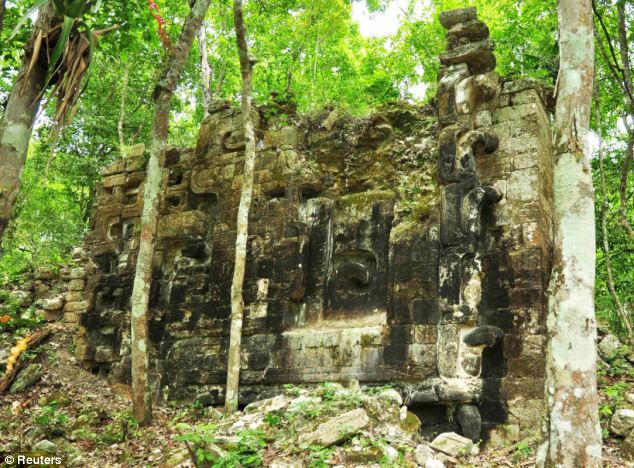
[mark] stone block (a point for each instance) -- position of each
(450, 18)
(473, 30)
(452, 444)
(76, 307)
(523, 185)
(183, 224)
(477, 55)
(104, 354)
(71, 317)
(53, 303)
(483, 119)
(76, 285)
(337, 429)
(74, 296)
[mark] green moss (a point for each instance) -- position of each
(411, 423)
(364, 199)
(366, 340)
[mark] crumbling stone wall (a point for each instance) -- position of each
(411, 248)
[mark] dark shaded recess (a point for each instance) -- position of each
(493, 361)
(276, 194)
(497, 278)
(435, 419)
(105, 263)
(196, 250)
(156, 329)
(210, 398)
(178, 295)
(90, 320)
(308, 192)
(493, 412)
(172, 157)
(174, 201)
(450, 287)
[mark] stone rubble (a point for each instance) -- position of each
(361, 428)
(609, 346)
(622, 422)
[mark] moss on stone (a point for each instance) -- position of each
(364, 199)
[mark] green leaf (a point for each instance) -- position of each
(62, 40)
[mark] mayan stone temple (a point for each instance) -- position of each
(409, 248)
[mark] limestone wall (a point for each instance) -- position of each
(411, 247)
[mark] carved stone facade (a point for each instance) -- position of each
(410, 248)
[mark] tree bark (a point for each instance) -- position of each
(205, 70)
(173, 66)
(237, 300)
(573, 433)
(124, 90)
(627, 82)
(2, 10)
(17, 120)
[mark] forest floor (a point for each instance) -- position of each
(89, 422)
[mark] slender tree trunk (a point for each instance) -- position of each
(237, 300)
(625, 172)
(205, 70)
(573, 433)
(124, 90)
(18, 118)
(2, 10)
(605, 206)
(173, 66)
(221, 80)
(627, 82)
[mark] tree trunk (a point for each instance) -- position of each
(627, 82)
(205, 70)
(573, 433)
(17, 121)
(237, 300)
(124, 90)
(605, 207)
(2, 10)
(163, 92)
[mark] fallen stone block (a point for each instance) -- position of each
(452, 444)
(622, 422)
(337, 429)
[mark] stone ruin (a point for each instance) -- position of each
(409, 248)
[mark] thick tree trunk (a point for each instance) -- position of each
(237, 300)
(143, 277)
(17, 121)
(205, 70)
(573, 433)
